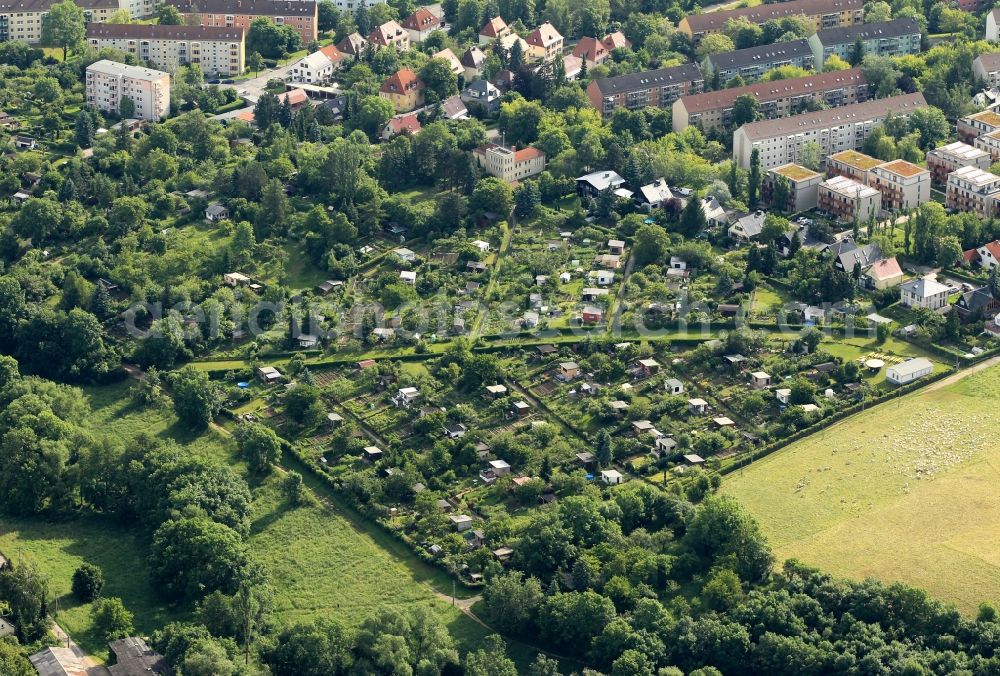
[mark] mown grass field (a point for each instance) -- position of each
(322, 562)
(904, 491)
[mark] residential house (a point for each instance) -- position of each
(883, 274)
(545, 43)
(780, 141)
(820, 13)
(748, 227)
(509, 164)
(848, 200)
(952, 157)
(352, 45)
(850, 255)
(715, 215)
(647, 89)
(592, 51)
(216, 212)
(753, 62)
(714, 109)
(655, 195)
(318, 67)
(987, 67)
(803, 187)
(453, 108)
(993, 25)
(408, 123)
(483, 95)
(420, 24)
(977, 304)
(404, 90)
(493, 30)
(453, 61)
(886, 38)
(390, 34)
(594, 183)
(473, 60)
(923, 293)
(989, 255)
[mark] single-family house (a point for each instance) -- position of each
(482, 94)
(545, 43)
(884, 273)
(594, 183)
(923, 293)
(421, 23)
(493, 30)
(748, 227)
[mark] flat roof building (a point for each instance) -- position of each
(848, 200)
(948, 158)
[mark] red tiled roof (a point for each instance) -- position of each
(885, 268)
(590, 49)
(772, 91)
(245, 115)
(295, 97)
(525, 154)
(403, 123)
(421, 20)
(970, 255)
(331, 52)
(994, 248)
(493, 27)
(401, 81)
(544, 35)
(613, 41)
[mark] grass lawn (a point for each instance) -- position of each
(904, 491)
(852, 349)
(323, 561)
(59, 548)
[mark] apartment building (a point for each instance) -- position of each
(218, 51)
(987, 67)
(317, 67)
(509, 164)
(648, 89)
(803, 184)
(946, 159)
(990, 144)
(780, 141)
(404, 90)
(903, 184)
(777, 99)
(973, 126)
(299, 14)
(751, 63)
(887, 38)
(822, 13)
(390, 34)
(108, 82)
(22, 19)
(848, 200)
(851, 164)
(545, 43)
(974, 190)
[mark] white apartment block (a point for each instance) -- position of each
(509, 164)
(973, 190)
(218, 51)
(903, 184)
(22, 19)
(946, 159)
(781, 141)
(108, 82)
(989, 144)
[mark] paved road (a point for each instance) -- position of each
(254, 87)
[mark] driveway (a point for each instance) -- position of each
(252, 88)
